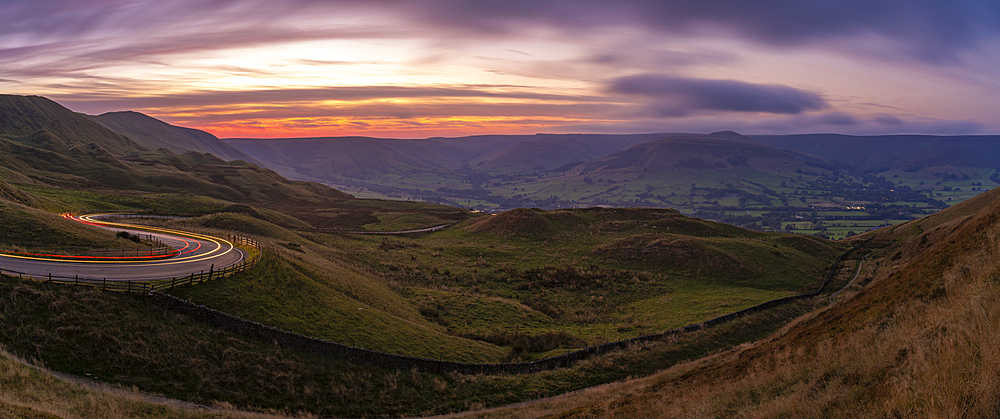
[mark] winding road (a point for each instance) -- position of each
(193, 253)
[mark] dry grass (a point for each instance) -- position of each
(31, 392)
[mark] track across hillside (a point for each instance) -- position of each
(191, 253)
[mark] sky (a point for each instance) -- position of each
(425, 68)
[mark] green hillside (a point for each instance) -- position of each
(590, 275)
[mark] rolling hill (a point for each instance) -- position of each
(718, 152)
(37, 121)
(348, 157)
(47, 144)
(546, 152)
(420, 168)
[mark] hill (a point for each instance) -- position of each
(34, 120)
(153, 134)
(350, 157)
(46, 144)
(718, 152)
(828, 184)
(428, 167)
(546, 152)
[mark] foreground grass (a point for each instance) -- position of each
(120, 339)
(35, 394)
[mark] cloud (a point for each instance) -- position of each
(114, 100)
(834, 118)
(795, 124)
(889, 120)
(678, 96)
(928, 30)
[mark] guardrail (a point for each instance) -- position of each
(148, 285)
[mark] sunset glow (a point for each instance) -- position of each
(449, 67)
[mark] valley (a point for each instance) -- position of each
(518, 285)
(763, 183)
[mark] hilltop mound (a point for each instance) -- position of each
(673, 251)
(516, 222)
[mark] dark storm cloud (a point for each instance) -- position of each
(783, 125)
(930, 30)
(847, 124)
(678, 96)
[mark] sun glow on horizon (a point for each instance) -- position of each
(288, 68)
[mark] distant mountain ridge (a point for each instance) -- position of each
(494, 153)
(25, 116)
(154, 134)
(724, 151)
(660, 169)
(876, 153)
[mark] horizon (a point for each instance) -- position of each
(447, 68)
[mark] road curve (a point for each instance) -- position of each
(195, 253)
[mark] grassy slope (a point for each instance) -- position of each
(917, 338)
(300, 290)
(596, 275)
(120, 339)
(333, 302)
(27, 229)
